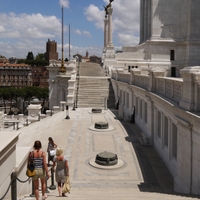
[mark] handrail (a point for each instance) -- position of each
(13, 185)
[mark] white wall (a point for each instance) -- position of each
(178, 142)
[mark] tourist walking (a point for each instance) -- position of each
(41, 169)
(51, 149)
(62, 169)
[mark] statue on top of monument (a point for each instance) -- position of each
(108, 6)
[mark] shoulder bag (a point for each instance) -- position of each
(52, 152)
(31, 166)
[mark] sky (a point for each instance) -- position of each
(27, 25)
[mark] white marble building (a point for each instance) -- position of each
(169, 37)
(61, 85)
(167, 111)
(157, 84)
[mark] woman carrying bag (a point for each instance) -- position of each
(51, 149)
(41, 171)
(62, 171)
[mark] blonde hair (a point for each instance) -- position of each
(59, 151)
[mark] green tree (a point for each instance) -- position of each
(24, 94)
(5, 94)
(28, 92)
(12, 93)
(21, 61)
(40, 56)
(38, 61)
(30, 56)
(19, 98)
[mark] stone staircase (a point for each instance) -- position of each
(93, 87)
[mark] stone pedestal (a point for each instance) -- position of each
(34, 110)
(56, 109)
(110, 61)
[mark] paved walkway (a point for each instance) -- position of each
(143, 175)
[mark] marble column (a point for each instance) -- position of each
(141, 21)
(110, 10)
(109, 56)
(105, 32)
(149, 20)
(145, 20)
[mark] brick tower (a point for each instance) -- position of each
(51, 50)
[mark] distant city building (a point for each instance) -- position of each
(87, 58)
(40, 77)
(3, 59)
(51, 50)
(95, 59)
(15, 75)
(78, 56)
(13, 60)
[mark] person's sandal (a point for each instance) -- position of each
(44, 197)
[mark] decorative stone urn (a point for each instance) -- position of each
(34, 111)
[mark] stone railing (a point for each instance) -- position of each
(14, 161)
(142, 81)
(15, 122)
(170, 87)
(14, 157)
(114, 75)
(124, 77)
(184, 91)
(71, 88)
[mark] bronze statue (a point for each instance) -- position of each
(108, 6)
(106, 10)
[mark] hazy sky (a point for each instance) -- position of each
(26, 25)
